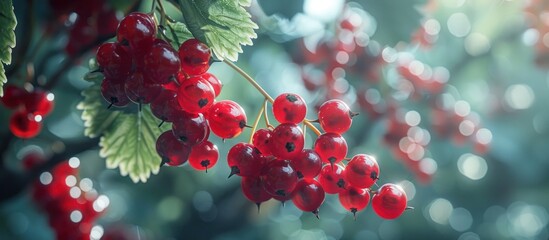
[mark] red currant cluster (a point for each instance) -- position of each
(423, 78)
(30, 109)
(94, 19)
(72, 204)
(143, 69)
(276, 164)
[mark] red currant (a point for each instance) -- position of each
(138, 30)
(390, 201)
(332, 180)
(244, 160)
(226, 118)
(253, 190)
(39, 102)
(161, 63)
(203, 156)
(195, 95)
(190, 129)
(195, 57)
(114, 92)
(114, 59)
(307, 164)
(289, 108)
(362, 171)
(13, 96)
(261, 139)
(280, 178)
(286, 141)
(354, 199)
(331, 147)
(214, 81)
(24, 124)
(140, 91)
(166, 107)
(335, 116)
(172, 151)
(308, 195)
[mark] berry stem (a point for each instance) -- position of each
(265, 94)
(267, 124)
(256, 122)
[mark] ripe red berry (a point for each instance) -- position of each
(335, 116)
(286, 141)
(138, 30)
(280, 178)
(195, 95)
(308, 195)
(331, 178)
(261, 139)
(25, 125)
(171, 150)
(253, 190)
(13, 96)
(362, 171)
(39, 102)
(307, 164)
(114, 59)
(244, 160)
(140, 91)
(161, 63)
(354, 199)
(214, 81)
(203, 156)
(289, 108)
(390, 201)
(195, 57)
(190, 129)
(331, 147)
(165, 107)
(114, 93)
(226, 118)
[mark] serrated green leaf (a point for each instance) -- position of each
(7, 38)
(178, 32)
(224, 25)
(97, 118)
(130, 145)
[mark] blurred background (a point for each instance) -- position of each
(451, 95)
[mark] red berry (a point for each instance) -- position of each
(138, 30)
(390, 201)
(195, 95)
(286, 141)
(214, 81)
(253, 190)
(172, 151)
(39, 102)
(289, 108)
(190, 129)
(166, 107)
(140, 91)
(203, 156)
(332, 180)
(354, 199)
(308, 195)
(244, 160)
(331, 147)
(280, 178)
(161, 63)
(307, 164)
(24, 124)
(261, 139)
(114, 59)
(226, 118)
(335, 116)
(13, 96)
(114, 93)
(195, 57)
(362, 171)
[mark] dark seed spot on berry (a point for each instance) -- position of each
(373, 175)
(299, 175)
(205, 163)
(332, 160)
(183, 138)
(291, 97)
(242, 124)
(280, 193)
(234, 170)
(256, 150)
(124, 42)
(341, 183)
(202, 102)
(290, 147)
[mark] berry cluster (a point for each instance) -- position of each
(72, 204)
(94, 19)
(423, 78)
(143, 69)
(276, 164)
(30, 108)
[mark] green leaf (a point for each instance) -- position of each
(7, 38)
(224, 25)
(178, 32)
(130, 145)
(97, 118)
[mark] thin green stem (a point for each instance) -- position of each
(153, 7)
(265, 116)
(256, 122)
